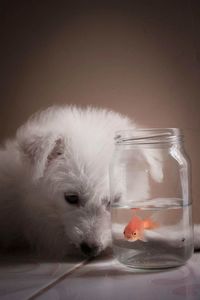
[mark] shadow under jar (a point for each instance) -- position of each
(151, 207)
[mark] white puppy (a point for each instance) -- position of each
(54, 181)
(54, 185)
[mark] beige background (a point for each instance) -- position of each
(141, 58)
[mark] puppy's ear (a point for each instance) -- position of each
(40, 150)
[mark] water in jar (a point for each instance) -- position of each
(153, 234)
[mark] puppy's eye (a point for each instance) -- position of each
(108, 205)
(116, 199)
(71, 198)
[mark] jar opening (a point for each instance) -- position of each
(148, 136)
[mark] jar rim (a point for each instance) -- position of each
(148, 135)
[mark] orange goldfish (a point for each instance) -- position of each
(135, 229)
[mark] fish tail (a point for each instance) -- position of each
(149, 224)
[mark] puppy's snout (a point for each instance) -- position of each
(90, 250)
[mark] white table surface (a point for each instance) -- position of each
(101, 278)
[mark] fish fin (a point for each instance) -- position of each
(131, 240)
(143, 238)
(135, 209)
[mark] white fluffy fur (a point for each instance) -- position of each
(60, 150)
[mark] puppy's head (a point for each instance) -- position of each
(79, 187)
(69, 194)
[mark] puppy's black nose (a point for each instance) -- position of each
(90, 250)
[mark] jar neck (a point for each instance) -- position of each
(149, 136)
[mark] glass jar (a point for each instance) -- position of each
(151, 205)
